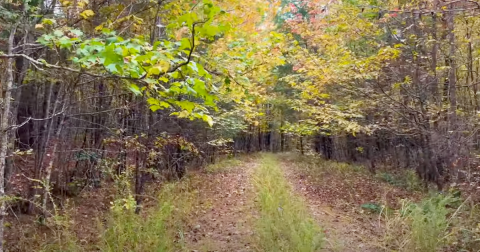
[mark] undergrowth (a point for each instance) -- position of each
(418, 226)
(284, 223)
(407, 179)
(156, 228)
(224, 165)
(317, 167)
(437, 223)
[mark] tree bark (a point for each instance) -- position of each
(4, 131)
(452, 77)
(452, 89)
(49, 168)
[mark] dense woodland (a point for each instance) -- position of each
(94, 90)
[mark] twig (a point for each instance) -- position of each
(192, 48)
(14, 127)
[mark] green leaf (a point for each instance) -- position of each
(77, 32)
(199, 87)
(114, 68)
(45, 39)
(186, 105)
(110, 56)
(208, 119)
(185, 44)
(48, 21)
(153, 71)
(155, 108)
(135, 89)
(58, 33)
(209, 30)
(111, 40)
(65, 42)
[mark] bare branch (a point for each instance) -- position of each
(14, 127)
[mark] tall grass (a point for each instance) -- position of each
(439, 222)
(283, 223)
(62, 237)
(422, 227)
(157, 229)
(128, 231)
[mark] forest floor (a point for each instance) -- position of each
(224, 221)
(230, 210)
(261, 202)
(342, 231)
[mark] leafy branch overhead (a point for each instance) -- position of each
(162, 71)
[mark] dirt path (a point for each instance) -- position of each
(225, 213)
(224, 216)
(342, 231)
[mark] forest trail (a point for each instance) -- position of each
(229, 215)
(342, 232)
(223, 223)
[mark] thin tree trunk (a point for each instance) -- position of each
(452, 90)
(22, 67)
(42, 145)
(48, 170)
(301, 145)
(434, 84)
(470, 77)
(4, 131)
(452, 77)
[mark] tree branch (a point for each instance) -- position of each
(38, 63)
(192, 48)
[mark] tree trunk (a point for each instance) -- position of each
(301, 145)
(452, 87)
(42, 144)
(452, 77)
(4, 131)
(49, 168)
(434, 83)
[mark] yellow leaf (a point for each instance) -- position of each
(65, 3)
(99, 28)
(83, 3)
(87, 14)
(208, 119)
(48, 21)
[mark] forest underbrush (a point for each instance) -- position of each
(262, 202)
(108, 219)
(400, 213)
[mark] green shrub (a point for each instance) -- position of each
(421, 227)
(372, 207)
(407, 179)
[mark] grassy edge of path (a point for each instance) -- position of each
(284, 222)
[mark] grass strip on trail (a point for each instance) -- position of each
(284, 223)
